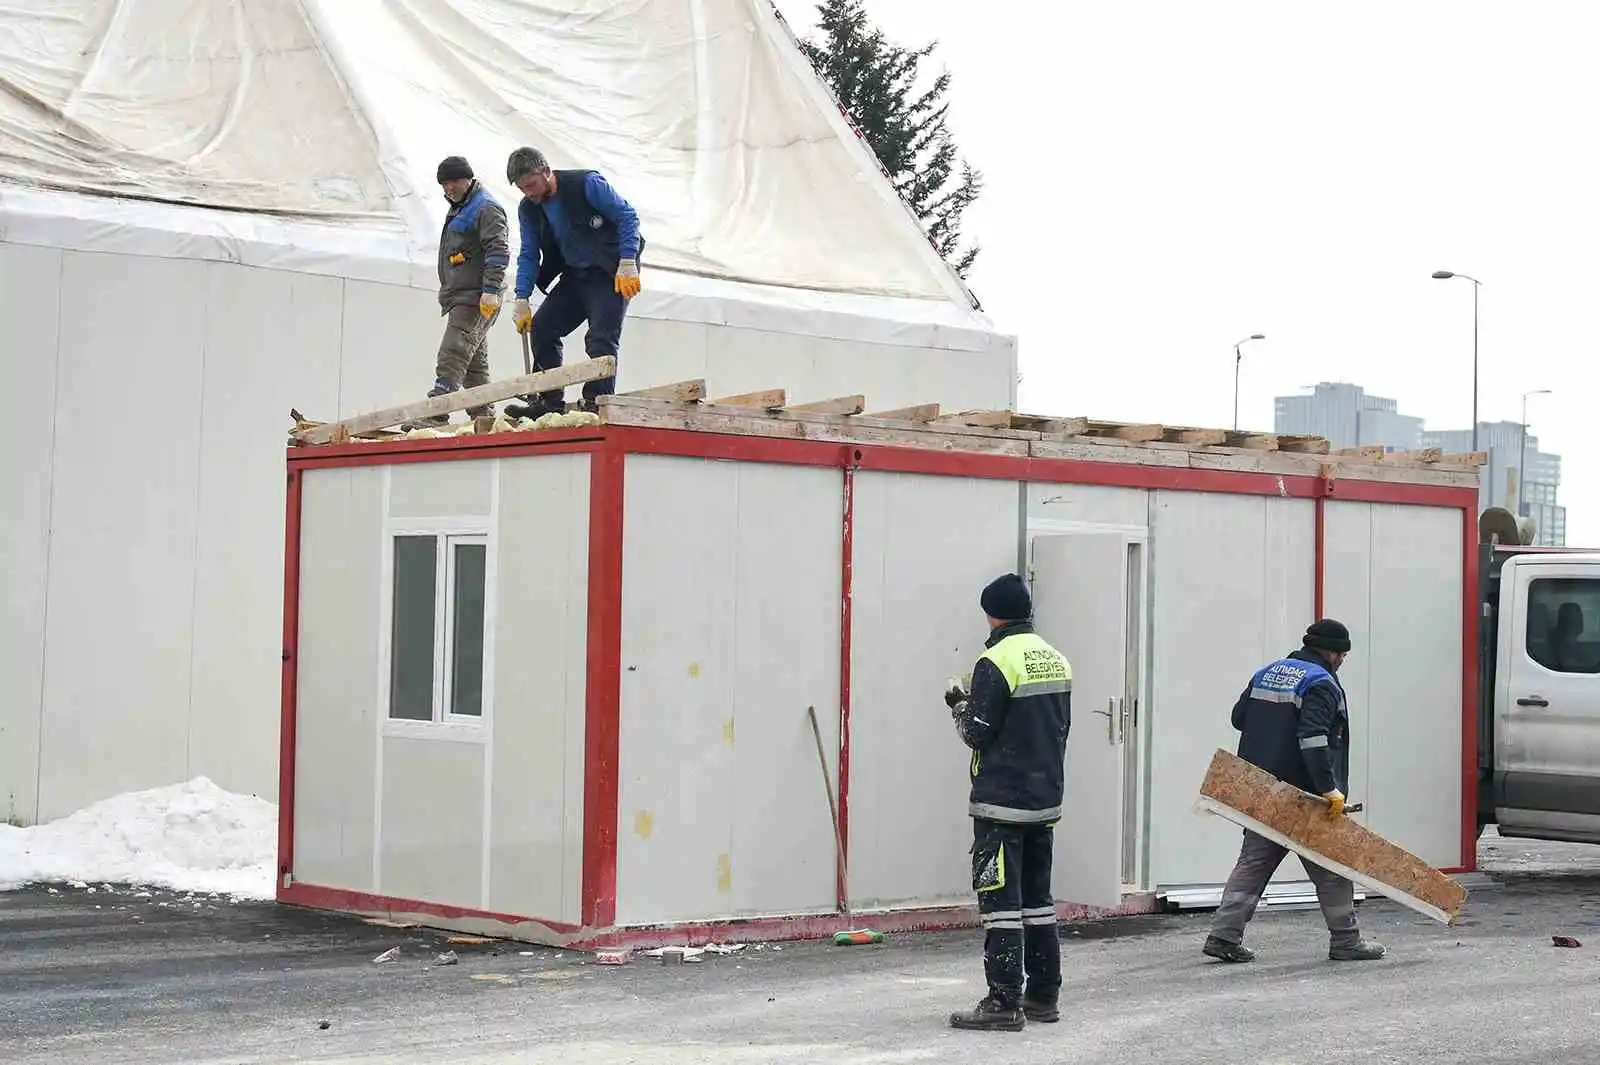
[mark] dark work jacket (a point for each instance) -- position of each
(1016, 720)
(600, 239)
(1295, 724)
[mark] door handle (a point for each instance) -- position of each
(1111, 720)
(1533, 700)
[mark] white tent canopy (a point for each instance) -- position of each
(212, 211)
(333, 114)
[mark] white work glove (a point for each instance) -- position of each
(955, 694)
(488, 304)
(522, 316)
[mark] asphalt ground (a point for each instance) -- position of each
(150, 977)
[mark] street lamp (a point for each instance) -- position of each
(1445, 275)
(1522, 457)
(1237, 359)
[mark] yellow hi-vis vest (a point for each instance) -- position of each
(1019, 776)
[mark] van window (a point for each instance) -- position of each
(1564, 624)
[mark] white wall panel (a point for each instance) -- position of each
(30, 287)
(271, 343)
(1347, 596)
(441, 489)
(337, 677)
(1415, 730)
(1233, 581)
(811, 368)
(924, 549)
(730, 631)
(1088, 504)
(118, 635)
(431, 836)
(539, 636)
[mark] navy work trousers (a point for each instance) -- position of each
(1011, 874)
(580, 295)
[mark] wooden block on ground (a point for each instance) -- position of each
(1370, 452)
(1255, 799)
(922, 412)
(677, 392)
(1205, 437)
(1310, 445)
(768, 398)
(572, 373)
(837, 405)
(994, 419)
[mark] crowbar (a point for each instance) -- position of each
(833, 809)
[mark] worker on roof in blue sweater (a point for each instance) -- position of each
(575, 227)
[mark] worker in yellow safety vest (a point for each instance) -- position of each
(1015, 718)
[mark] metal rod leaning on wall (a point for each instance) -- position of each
(833, 809)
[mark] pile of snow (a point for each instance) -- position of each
(192, 837)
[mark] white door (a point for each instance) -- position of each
(1549, 700)
(1081, 606)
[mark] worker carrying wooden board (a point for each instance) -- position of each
(1294, 723)
(1015, 718)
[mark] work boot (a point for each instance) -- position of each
(989, 1016)
(1222, 950)
(1360, 950)
(1041, 1010)
(536, 407)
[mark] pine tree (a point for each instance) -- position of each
(877, 85)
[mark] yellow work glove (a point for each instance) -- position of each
(522, 316)
(488, 304)
(627, 282)
(1335, 802)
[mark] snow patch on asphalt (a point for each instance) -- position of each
(192, 837)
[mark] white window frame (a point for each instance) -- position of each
(448, 533)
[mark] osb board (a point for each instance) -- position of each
(1255, 799)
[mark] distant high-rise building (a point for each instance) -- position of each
(1498, 488)
(1348, 417)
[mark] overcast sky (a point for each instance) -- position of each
(1164, 178)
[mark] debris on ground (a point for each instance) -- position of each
(1565, 941)
(324, 1025)
(724, 948)
(676, 955)
(611, 957)
(469, 940)
(447, 958)
(392, 954)
(857, 937)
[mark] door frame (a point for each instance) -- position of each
(1138, 817)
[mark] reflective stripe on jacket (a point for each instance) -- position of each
(1016, 721)
(1294, 723)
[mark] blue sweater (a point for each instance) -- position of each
(604, 199)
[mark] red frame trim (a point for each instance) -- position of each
(291, 686)
(609, 446)
(847, 540)
(602, 730)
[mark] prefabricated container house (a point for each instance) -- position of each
(560, 685)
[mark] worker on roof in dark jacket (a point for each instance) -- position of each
(1015, 719)
(576, 228)
(474, 253)
(1294, 723)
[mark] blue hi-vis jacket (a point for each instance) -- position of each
(474, 250)
(1295, 724)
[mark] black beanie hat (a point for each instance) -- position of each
(1328, 635)
(454, 168)
(1007, 599)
